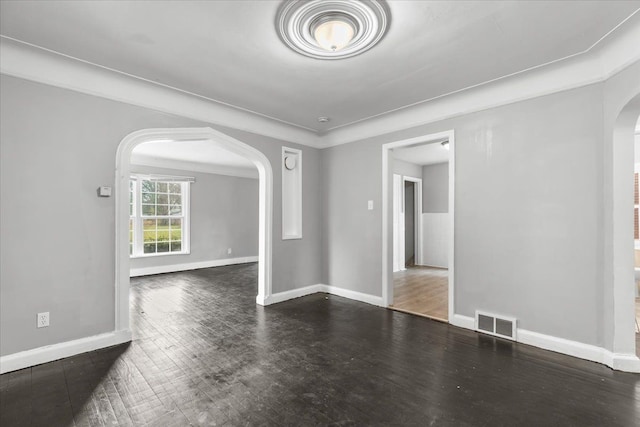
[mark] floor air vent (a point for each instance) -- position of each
(493, 324)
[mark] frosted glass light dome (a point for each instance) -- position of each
(334, 35)
(332, 29)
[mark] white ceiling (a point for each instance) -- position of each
(423, 154)
(229, 50)
(202, 156)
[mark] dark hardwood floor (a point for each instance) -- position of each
(204, 354)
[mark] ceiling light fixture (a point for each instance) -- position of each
(332, 29)
(323, 119)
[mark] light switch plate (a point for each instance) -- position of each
(370, 205)
(104, 191)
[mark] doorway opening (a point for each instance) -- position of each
(418, 241)
(620, 233)
(177, 190)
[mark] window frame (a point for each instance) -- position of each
(138, 218)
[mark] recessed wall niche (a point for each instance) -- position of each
(291, 193)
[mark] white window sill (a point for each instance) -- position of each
(158, 254)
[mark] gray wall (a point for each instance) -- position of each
(527, 219)
(57, 246)
(224, 214)
(435, 188)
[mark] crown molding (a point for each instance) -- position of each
(183, 165)
(30, 62)
(612, 54)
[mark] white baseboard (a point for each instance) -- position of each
(333, 290)
(618, 361)
(463, 321)
(357, 296)
(49, 353)
(294, 293)
(171, 268)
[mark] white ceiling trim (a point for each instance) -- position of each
(590, 48)
(30, 62)
(610, 55)
(141, 160)
(597, 64)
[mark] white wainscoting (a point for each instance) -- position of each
(435, 240)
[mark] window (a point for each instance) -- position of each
(158, 216)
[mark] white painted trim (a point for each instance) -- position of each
(31, 62)
(613, 53)
(356, 296)
(461, 321)
(619, 361)
(597, 64)
(49, 353)
(123, 172)
(170, 268)
(140, 160)
(387, 261)
(294, 293)
(327, 289)
(291, 194)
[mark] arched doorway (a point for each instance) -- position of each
(624, 351)
(265, 209)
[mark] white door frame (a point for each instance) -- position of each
(398, 224)
(123, 172)
(387, 276)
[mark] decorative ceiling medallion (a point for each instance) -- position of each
(332, 29)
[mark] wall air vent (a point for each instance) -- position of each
(493, 324)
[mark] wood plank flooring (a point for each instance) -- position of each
(423, 291)
(204, 354)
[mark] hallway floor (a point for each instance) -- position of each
(205, 354)
(423, 291)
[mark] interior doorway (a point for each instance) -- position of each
(419, 256)
(123, 211)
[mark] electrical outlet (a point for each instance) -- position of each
(229, 251)
(43, 320)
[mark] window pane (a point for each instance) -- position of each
(175, 199)
(163, 247)
(149, 248)
(161, 187)
(163, 199)
(176, 246)
(148, 186)
(162, 210)
(148, 198)
(163, 233)
(150, 236)
(175, 188)
(175, 210)
(176, 223)
(176, 234)
(148, 210)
